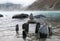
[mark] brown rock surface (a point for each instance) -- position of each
(45, 5)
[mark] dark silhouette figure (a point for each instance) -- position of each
(25, 27)
(37, 28)
(50, 31)
(24, 35)
(17, 29)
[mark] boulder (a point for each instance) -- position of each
(1, 15)
(39, 16)
(20, 16)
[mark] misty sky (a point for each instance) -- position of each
(23, 2)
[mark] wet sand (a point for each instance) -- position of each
(7, 31)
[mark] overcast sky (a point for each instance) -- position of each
(24, 2)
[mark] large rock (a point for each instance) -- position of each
(20, 16)
(39, 16)
(1, 15)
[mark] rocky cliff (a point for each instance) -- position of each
(45, 5)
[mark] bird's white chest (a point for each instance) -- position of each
(32, 28)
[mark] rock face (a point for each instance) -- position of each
(39, 16)
(45, 5)
(21, 16)
(1, 15)
(57, 5)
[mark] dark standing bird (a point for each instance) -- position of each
(17, 29)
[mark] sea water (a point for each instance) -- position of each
(7, 24)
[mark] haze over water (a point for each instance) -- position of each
(47, 13)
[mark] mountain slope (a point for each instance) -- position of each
(45, 5)
(10, 6)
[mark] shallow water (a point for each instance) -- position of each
(7, 30)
